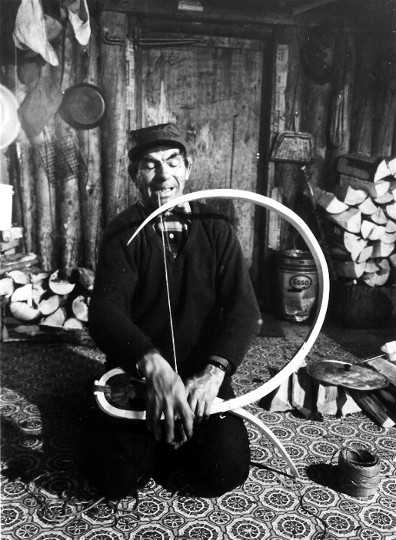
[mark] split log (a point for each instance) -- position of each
(371, 266)
(379, 217)
(371, 231)
(38, 292)
(390, 211)
(73, 324)
(19, 277)
(346, 403)
(367, 207)
(23, 312)
(23, 294)
(80, 308)
(385, 199)
(390, 227)
(58, 285)
(56, 319)
(389, 238)
(279, 399)
(328, 201)
(6, 286)
(303, 393)
(49, 305)
(350, 220)
(382, 250)
(326, 402)
(377, 189)
(349, 195)
(378, 278)
(385, 169)
(357, 247)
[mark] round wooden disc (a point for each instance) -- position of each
(349, 375)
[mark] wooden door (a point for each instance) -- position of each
(212, 90)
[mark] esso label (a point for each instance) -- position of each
(300, 282)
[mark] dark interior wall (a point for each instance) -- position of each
(68, 183)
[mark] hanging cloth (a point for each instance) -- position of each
(77, 11)
(30, 31)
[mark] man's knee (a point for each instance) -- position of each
(222, 462)
(119, 459)
(225, 475)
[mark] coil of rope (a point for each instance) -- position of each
(359, 472)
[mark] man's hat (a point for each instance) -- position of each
(143, 139)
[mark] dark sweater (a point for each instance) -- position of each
(213, 303)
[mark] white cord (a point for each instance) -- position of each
(167, 287)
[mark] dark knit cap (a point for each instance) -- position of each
(145, 138)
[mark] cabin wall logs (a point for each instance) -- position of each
(68, 184)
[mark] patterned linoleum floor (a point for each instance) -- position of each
(45, 495)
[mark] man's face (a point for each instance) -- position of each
(161, 175)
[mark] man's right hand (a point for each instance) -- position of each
(165, 394)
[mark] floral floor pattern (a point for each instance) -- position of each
(45, 496)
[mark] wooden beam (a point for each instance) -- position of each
(210, 13)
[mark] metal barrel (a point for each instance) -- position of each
(297, 285)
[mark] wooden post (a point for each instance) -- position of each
(67, 177)
(45, 205)
(115, 159)
(26, 183)
(91, 190)
(44, 172)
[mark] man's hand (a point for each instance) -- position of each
(202, 389)
(165, 394)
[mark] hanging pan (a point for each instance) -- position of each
(83, 106)
(292, 146)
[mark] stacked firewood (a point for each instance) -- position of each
(47, 299)
(360, 221)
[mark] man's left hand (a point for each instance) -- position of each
(202, 389)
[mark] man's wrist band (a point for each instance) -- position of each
(218, 365)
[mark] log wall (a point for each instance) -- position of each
(65, 201)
